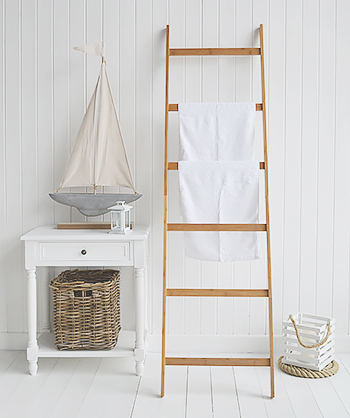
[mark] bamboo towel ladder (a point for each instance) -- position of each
(168, 292)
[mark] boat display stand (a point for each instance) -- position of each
(84, 225)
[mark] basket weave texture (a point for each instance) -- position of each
(86, 306)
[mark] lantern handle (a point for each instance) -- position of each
(313, 345)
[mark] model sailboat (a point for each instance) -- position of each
(98, 157)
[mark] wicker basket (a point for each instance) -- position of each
(86, 307)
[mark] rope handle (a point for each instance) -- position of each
(313, 345)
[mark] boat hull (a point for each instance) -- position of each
(90, 204)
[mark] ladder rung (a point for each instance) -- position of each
(214, 51)
(175, 165)
(216, 227)
(219, 292)
(174, 107)
(194, 361)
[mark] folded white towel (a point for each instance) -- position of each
(216, 131)
(220, 192)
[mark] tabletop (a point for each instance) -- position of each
(51, 233)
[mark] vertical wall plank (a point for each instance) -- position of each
(110, 32)
(210, 30)
(143, 116)
(111, 35)
(30, 209)
(226, 93)
(226, 77)
(293, 155)
(3, 275)
(159, 21)
(93, 33)
(276, 129)
(45, 113)
(29, 116)
(326, 160)
(243, 37)
(60, 43)
(112, 45)
(176, 95)
(309, 138)
(127, 77)
(341, 179)
(13, 165)
(193, 93)
(76, 80)
(258, 280)
(45, 134)
(143, 68)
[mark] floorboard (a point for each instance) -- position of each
(250, 398)
(46, 400)
(301, 397)
(341, 381)
(148, 400)
(199, 393)
(327, 398)
(7, 357)
(21, 398)
(12, 377)
(113, 390)
(75, 392)
(225, 399)
(173, 404)
(281, 402)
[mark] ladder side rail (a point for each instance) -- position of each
(267, 208)
(165, 226)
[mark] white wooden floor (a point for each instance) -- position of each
(87, 388)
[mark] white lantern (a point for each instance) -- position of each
(120, 218)
(312, 330)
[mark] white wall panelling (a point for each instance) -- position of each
(45, 89)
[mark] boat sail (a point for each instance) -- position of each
(98, 157)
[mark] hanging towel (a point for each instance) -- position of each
(220, 192)
(218, 179)
(216, 131)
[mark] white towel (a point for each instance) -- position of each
(216, 131)
(220, 192)
(218, 181)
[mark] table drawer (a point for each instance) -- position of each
(80, 252)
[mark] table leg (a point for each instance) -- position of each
(32, 350)
(140, 351)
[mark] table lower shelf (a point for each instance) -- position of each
(124, 347)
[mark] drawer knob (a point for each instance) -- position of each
(83, 252)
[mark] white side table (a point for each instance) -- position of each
(48, 246)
